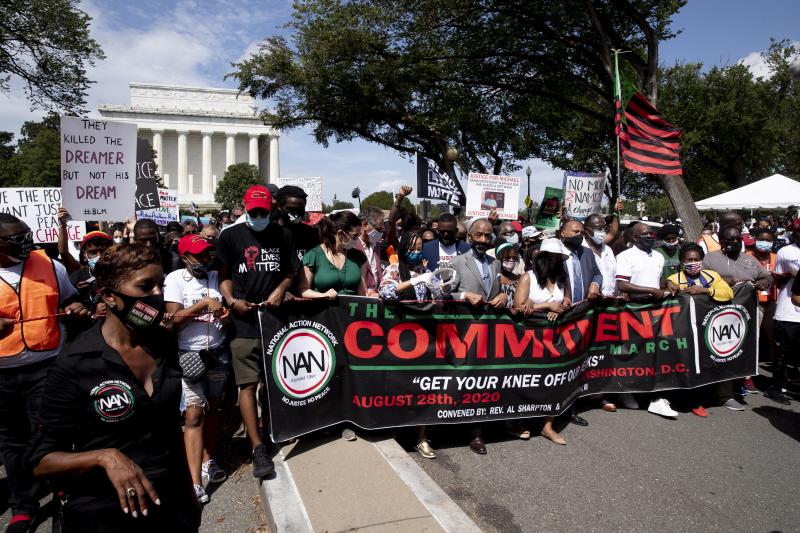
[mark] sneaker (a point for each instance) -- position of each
(200, 492)
(212, 472)
(750, 386)
(662, 407)
(426, 450)
(19, 523)
(349, 435)
(733, 405)
(700, 411)
(262, 462)
(777, 396)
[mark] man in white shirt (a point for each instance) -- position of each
(639, 271)
(596, 236)
(787, 314)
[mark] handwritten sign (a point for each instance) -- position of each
(583, 194)
(486, 192)
(38, 208)
(98, 168)
(166, 212)
(312, 187)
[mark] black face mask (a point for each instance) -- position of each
(20, 248)
(293, 218)
(733, 247)
(479, 248)
(198, 270)
(574, 242)
(140, 312)
(646, 243)
(447, 240)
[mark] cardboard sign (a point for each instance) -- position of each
(434, 184)
(583, 194)
(166, 212)
(312, 187)
(546, 217)
(486, 192)
(98, 168)
(38, 208)
(146, 177)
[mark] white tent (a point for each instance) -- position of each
(769, 193)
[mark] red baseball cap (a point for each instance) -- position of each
(517, 226)
(96, 235)
(257, 197)
(193, 244)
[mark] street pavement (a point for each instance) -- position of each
(631, 471)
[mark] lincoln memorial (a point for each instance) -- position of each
(197, 133)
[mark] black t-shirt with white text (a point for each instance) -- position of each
(305, 238)
(258, 263)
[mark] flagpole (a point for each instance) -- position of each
(617, 101)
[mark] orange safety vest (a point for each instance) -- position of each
(711, 244)
(37, 296)
(771, 294)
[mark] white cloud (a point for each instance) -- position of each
(757, 64)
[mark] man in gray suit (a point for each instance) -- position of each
(479, 273)
(478, 283)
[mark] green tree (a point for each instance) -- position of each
(46, 43)
(336, 205)
(36, 161)
(238, 178)
(385, 200)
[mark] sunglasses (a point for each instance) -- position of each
(19, 238)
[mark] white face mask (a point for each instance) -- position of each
(513, 239)
(117, 240)
(599, 237)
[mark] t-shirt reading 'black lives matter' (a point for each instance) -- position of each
(258, 262)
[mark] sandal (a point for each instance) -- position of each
(518, 431)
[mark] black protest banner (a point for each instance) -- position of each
(436, 185)
(382, 365)
(146, 177)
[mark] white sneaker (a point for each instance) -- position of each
(200, 492)
(661, 407)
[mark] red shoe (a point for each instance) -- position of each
(750, 386)
(700, 411)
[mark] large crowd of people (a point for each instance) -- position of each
(113, 366)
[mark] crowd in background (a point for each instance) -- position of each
(103, 359)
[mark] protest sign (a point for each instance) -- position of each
(434, 184)
(166, 212)
(546, 217)
(38, 208)
(583, 194)
(98, 168)
(146, 177)
(382, 364)
(486, 192)
(312, 187)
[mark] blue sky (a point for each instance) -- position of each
(193, 42)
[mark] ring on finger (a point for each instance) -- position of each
(131, 492)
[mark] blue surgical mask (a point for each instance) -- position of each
(764, 246)
(258, 223)
(413, 258)
(92, 262)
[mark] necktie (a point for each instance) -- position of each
(577, 282)
(487, 283)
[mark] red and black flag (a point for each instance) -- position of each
(649, 144)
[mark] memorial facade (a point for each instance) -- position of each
(197, 133)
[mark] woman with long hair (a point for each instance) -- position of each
(334, 267)
(110, 435)
(545, 289)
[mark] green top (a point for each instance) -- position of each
(672, 263)
(326, 276)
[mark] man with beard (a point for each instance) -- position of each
(446, 247)
(290, 214)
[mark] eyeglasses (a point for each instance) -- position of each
(19, 238)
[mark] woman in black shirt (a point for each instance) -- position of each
(110, 437)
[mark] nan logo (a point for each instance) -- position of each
(725, 332)
(113, 400)
(303, 363)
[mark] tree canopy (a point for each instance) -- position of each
(238, 178)
(46, 43)
(36, 159)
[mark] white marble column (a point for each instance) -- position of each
(230, 150)
(158, 148)
(183, 170)
(274, 160)
(206, 181)
(254, 149)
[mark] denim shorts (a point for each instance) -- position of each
(211, 385)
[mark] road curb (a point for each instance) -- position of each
(442, 508)
(281, 500)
